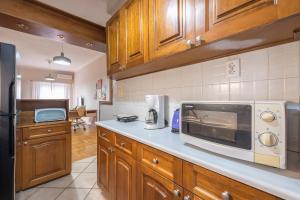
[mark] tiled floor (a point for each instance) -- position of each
(80, 185)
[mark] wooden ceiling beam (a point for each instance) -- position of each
(39, 19)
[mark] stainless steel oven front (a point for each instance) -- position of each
(247, 130)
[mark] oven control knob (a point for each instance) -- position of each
(267, 116)
(268, 139)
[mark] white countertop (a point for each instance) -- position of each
(273, 181)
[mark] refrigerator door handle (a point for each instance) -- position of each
(11, 97)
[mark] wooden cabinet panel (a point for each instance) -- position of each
(171, 25)
(167, 165)
(18, 171)
(126, 145)
(209, 185)
(114, 49)
(45, 159)
(125, 173)
(151, 185)
(134, 21)
(201, 20)
(105, 135)
(44, 131)
(228, 17)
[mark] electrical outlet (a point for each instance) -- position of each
(233, 68)
(120, 91)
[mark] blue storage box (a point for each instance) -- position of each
(50, 114)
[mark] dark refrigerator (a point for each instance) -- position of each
(7, 121)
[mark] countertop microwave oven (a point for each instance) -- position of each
(249, 130)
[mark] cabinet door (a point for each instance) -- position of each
(45, 159)
(134, 21)
(18, 159)
(228, 17)
(171, 25)
(152, 186)
(114, 56)
(125, 173)
(106, 169)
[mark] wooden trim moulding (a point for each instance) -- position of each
(36, 18)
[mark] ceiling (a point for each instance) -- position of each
(36, 50)
(92, 10)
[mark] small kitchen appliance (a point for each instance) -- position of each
(155, 116)
(175, 121)
(254, 130)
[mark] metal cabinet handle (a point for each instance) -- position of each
(25, 143)
(199, 39)
(123, 144)
(155, 161)
(226, 195)
(49, 130)
(111, 150)
(103, 134)
(189, 43)
(177, 193)
(187, 197)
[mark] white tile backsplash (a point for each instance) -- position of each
(267, 74)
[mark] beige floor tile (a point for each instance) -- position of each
(79, 167)
(96, 186)
(46, 194)
(96, 194)
(73, 194)
(92, 168)
(84, 180)
(26, 194)
(87, 160)
(62, 182)
(95, 161)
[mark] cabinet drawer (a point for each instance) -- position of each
(105, 135)
(44, 131)
(126, 145)
(163, 163)
(209, 185)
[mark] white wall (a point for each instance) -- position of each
(85, 85)
(33, 74)
(271, 73)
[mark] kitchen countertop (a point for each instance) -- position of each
(274, 181)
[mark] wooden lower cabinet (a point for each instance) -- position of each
(45, 159)
(18, 172)
(156, 175)
(125, 177)
(152, 186)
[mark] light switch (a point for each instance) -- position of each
(233, 68)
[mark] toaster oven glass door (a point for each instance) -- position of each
(227, 124)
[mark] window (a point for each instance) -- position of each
(50, 90)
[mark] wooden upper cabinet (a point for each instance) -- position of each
(171, 26)
(227, 17)
(134, 23)
(114, 50)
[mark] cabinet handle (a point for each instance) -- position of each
(49, 130)
(187, 197)
(123, 144)
(189, 43)
(111, 150)
(103, 134)
(176, 192)
(226, 195)
(155, 161)
(25, 143)
(199, 39)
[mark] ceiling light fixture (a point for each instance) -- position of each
(49, 77)
(61, 59)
